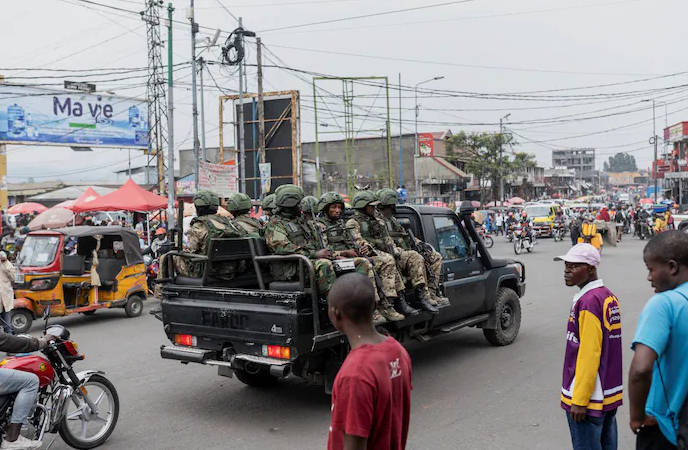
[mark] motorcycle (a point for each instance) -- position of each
(522, 240)
(83, 407)
(152, 268)
(487, 239)
(645, 228)
(558, 231)
(510, 232)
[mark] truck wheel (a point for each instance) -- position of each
(508, 312)
(134, 306)
(21, 320)
(259, 379)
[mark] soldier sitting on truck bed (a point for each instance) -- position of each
(268, 205)
(433, 260)
(240, 205)
(330, 207)
(206, 226)
(370, 233)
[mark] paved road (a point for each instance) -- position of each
(467, 395)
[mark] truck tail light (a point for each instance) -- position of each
(185, 339)
(276, 351)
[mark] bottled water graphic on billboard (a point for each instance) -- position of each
(31, 115)
(16, 123)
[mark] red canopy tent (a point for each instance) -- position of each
(130, 197)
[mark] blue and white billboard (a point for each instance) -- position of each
(39, 116)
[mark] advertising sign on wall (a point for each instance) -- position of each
(676, 132)
(39, 116)
(426, 144)
(218, 178)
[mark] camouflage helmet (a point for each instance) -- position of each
(268, 203)
(387, 196)
(308, 204)
(288, 196)
(206, 198)
(239, 202)
(329, 198)
(363, 199)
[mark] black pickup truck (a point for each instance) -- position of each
(260, 329)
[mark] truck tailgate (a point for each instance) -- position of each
(245, 319)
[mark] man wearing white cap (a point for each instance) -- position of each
(592, 384)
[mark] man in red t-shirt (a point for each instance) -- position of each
(371, 398)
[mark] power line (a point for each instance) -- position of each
(365, 16)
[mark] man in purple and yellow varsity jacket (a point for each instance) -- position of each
(592, 386)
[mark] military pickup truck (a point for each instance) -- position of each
(260, 329)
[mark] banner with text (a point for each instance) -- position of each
(39, 116)
(218, 178)
(426, 144)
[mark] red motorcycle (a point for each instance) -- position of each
(82, 406)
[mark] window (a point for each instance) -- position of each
(38, 251)
(452, 244)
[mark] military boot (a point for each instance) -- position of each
(429, 297)
(402, 306)
(387, 311)
(435, 299)
(422, 301)
(378, 319)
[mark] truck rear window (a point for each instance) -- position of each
(452, 244)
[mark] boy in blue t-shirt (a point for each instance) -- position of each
(658, 378)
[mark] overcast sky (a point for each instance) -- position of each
(479, 47)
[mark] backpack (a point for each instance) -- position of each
(682, 432)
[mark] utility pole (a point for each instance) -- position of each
(654, 139)
(416, 152)
(401, 148)
(261, 104)
(194, 30)
(170, 128)
(242, 155)
(501, 156)
(202, 62)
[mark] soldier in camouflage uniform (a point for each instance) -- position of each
(287, 233)
(268, 204)
(206, 226)
(433, 260)
(309, 205)
(370, 233)
(240, 206)
(330, 206)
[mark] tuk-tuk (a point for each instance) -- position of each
(78, 270)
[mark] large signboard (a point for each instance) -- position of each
(38, 116)
(218, 178)
(426, 144)
(676, 132)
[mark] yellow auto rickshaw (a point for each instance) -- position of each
(78, 270)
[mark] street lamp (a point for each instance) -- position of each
(653, 139)
(501, 153)
(416, 152)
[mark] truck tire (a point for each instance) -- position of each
(260, 379)
(508, 312)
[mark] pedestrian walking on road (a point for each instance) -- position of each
(658, 378)
(499, 221)
(7, 272)
(592, 384)
(371, 397)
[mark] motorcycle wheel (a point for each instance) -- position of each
(78, 418)
(518, 247)
(488, 242)
(557, 238)
(530, 247)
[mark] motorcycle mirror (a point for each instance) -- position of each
(46, 312)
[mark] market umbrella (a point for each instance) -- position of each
(55, 218)
(475, 203)
(67, 204)
(26, 208)
(646, 201)
(516, 200)
(438, 204)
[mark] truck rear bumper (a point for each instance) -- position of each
(276, 367)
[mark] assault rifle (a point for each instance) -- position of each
(424, 251)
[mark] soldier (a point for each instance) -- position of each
(340, 238)
(370, 233)
(240, 206)
(288, 233)
(268, 205)
(206, 226)
(402, 239)
(309, 205)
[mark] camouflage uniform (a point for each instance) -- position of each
(237, 203)
(202, 230)
(287, 234)
(268, 204)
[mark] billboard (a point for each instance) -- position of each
(218, 178)
(676, 132)
(30, 115)
(426, 144)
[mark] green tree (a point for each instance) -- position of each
(621, 162)
(482, 152)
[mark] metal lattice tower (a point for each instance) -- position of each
(156, 92)
(349, 134)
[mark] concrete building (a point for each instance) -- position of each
(581, 160)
